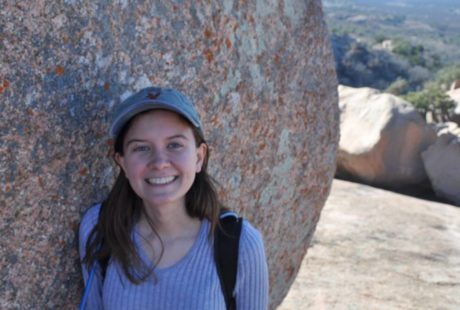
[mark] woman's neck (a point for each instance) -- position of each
(170, 223)
(172, 236)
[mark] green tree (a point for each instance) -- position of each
(399, 87)
(413, 53)
(435, 62)
(432, 100)
(447, 75)
(379, 38)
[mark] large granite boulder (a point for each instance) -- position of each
(261, 73)
(382, 137)
(442, 163)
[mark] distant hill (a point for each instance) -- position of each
(434, 24)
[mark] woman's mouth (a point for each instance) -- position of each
(161, 181)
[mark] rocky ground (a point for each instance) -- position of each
(374, 249)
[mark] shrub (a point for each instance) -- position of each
(432, 100)
(380, 38)
(447, 75)
(413, 53)
(399, 87)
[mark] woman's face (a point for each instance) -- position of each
(160, 158)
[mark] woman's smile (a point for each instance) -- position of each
(161, 180)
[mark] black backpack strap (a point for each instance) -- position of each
(226, 245)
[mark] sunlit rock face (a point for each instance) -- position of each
(382, 138)
(260, 72)
(454, 94)
(442, 162)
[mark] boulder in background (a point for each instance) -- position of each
(382, 137)
(442, 163)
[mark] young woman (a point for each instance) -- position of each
(149, 245)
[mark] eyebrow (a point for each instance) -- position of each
(180, 136)
(177, 136)
(133, 141)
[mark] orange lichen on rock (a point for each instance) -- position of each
(4, 85)
(215, 120)
(41, 182)
(228, 43)
(59, 70)
(208, 55)
(208, 33)
(83, 171)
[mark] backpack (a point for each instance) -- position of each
(226, 246)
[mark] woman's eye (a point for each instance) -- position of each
(141, 148)
(174, 146)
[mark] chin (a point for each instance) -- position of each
(163, 202)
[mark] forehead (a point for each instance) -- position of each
(157, 122)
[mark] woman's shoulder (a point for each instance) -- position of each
(251, 240)
(91, 215)
(89, 220)
(252, 278)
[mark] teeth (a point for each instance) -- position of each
(160, 181)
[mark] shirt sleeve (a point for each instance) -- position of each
(88, 221)
(251, 289)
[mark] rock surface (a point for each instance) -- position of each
(382, 137)
(261, 73)
(455, 85)
(374, 249)
(454, 94)
(442, 163)
(449, 128)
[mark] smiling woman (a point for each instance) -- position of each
(150, 244)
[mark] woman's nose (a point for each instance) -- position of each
(159, 160)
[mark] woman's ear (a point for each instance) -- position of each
(200, 156)
(120, 160)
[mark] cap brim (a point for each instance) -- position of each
(121, 121)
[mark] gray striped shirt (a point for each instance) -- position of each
(191, 283)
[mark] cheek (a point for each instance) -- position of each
(133, 168)
(187, 160)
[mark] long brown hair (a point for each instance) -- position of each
(111, 238)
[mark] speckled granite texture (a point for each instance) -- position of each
(261, 73)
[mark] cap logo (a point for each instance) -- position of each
(153, 95)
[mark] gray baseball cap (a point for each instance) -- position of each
(151, 98)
